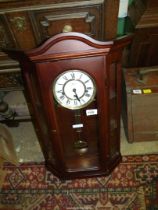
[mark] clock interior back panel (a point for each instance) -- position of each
(73, 156)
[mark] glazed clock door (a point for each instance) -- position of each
(73, 87)
(71, 92)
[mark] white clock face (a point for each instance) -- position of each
(74, 89)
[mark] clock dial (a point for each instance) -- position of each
(74, 89)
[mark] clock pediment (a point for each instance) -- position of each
(67, 45)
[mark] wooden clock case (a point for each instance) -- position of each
(53, 123)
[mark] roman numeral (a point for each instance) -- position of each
(60, 91)
(87, 81)
(82, 100)
(62, 97)
(68, 101)
(73, 75)
(75, 102)
(65, 77)
(89, 88)
(87, 95)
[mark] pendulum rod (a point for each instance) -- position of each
(79, 144)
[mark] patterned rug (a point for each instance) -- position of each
(131, 186)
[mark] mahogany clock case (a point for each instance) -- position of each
(98, 138)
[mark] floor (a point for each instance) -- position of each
(137, 148)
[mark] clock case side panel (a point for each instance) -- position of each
(114, 104)
(114, 72)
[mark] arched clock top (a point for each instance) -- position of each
(66, 44)
(71, 44)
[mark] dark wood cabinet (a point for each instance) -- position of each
(60, 75)
(144, 19)
(25, 25)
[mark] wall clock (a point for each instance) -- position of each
(74, 89)
(73, 84)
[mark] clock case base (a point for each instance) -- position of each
(53, 123)
(85, 174)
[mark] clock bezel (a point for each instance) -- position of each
(92, 98)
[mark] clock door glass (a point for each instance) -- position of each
(75, 103)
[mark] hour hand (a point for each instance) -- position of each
(74, 90)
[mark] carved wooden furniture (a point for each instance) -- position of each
(144, 18)
(11, 82)
(74, 91)
(10, 76)
(26, 24)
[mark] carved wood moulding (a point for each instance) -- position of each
(88, 20)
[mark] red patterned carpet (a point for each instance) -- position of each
(132, 186)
